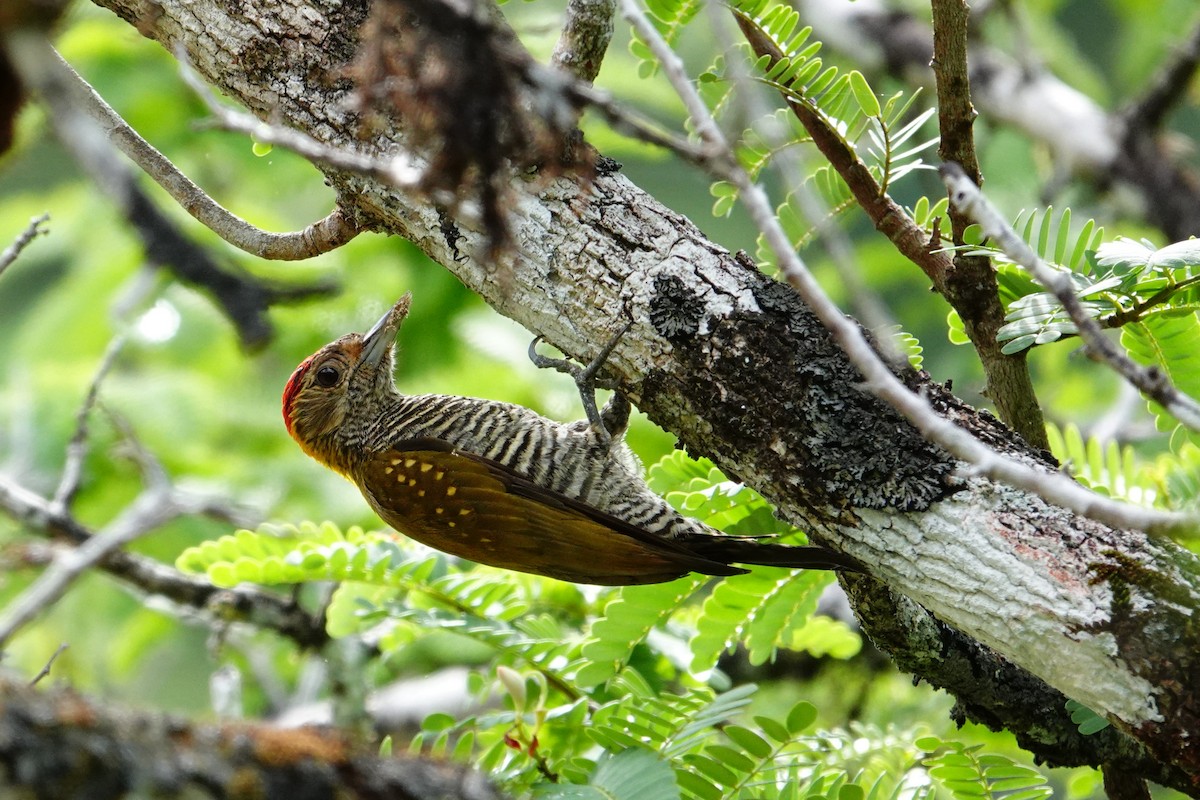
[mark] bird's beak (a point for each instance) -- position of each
(378, 341)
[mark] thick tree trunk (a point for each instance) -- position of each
(736, 366)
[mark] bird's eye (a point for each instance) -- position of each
(328, 376)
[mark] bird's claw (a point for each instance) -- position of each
(612, 421)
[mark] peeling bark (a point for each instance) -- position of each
(737, 367)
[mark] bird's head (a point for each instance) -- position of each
(342, 386)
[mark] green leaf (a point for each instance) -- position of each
(1088, 721)
(730, 758)
(1124, 252)
(773, 728)
(1172, 344)
(697, 786)
(863, 93)
(749, 741)
(759, 609)
(800, 717)
(635, 774)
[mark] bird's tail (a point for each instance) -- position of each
(752, 550)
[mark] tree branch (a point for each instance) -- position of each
(244, 300)
(1168, 88)
(322, 236)
(587, 30)
(1084, 139)
(239, 604)
(971, 286)
(1010, 699)
(169, 757)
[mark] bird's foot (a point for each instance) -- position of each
(609, 422)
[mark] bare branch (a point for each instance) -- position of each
(159, 503)
(244, 299)
(971, 286)
(586, 32)
(971, 292)
(77, 447)
(31, 232)
(327, 234)
(956, 114)
(58, 577)
(1085, 139)
(793, 169)
(72, 746)
(879, 379)
(967, 197)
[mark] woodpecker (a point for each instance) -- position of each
(499, 484)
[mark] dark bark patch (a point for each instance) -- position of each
(778, 390)
(675, 312)
(862, 451)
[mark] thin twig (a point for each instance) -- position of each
(31, 232)
(790, 164)
(78, 446)
(157, 504)
(322, 236)
(632, 124)
(1152, 382)
(1134, 313)
(58, 577)
(46, 669)
(878, 378)
(400, 170)
(971, 292)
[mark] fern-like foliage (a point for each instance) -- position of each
(761, 610)
(1034, 316)
(630, 617)
(1176, 477)
(1089, 721)
(967, 773)
(1105, 467)
(598, 694)
(294, 554)
(1151, 294)
(882, 134)
(669, 17)
(1168, 339)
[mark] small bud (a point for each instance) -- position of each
(514, 684)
